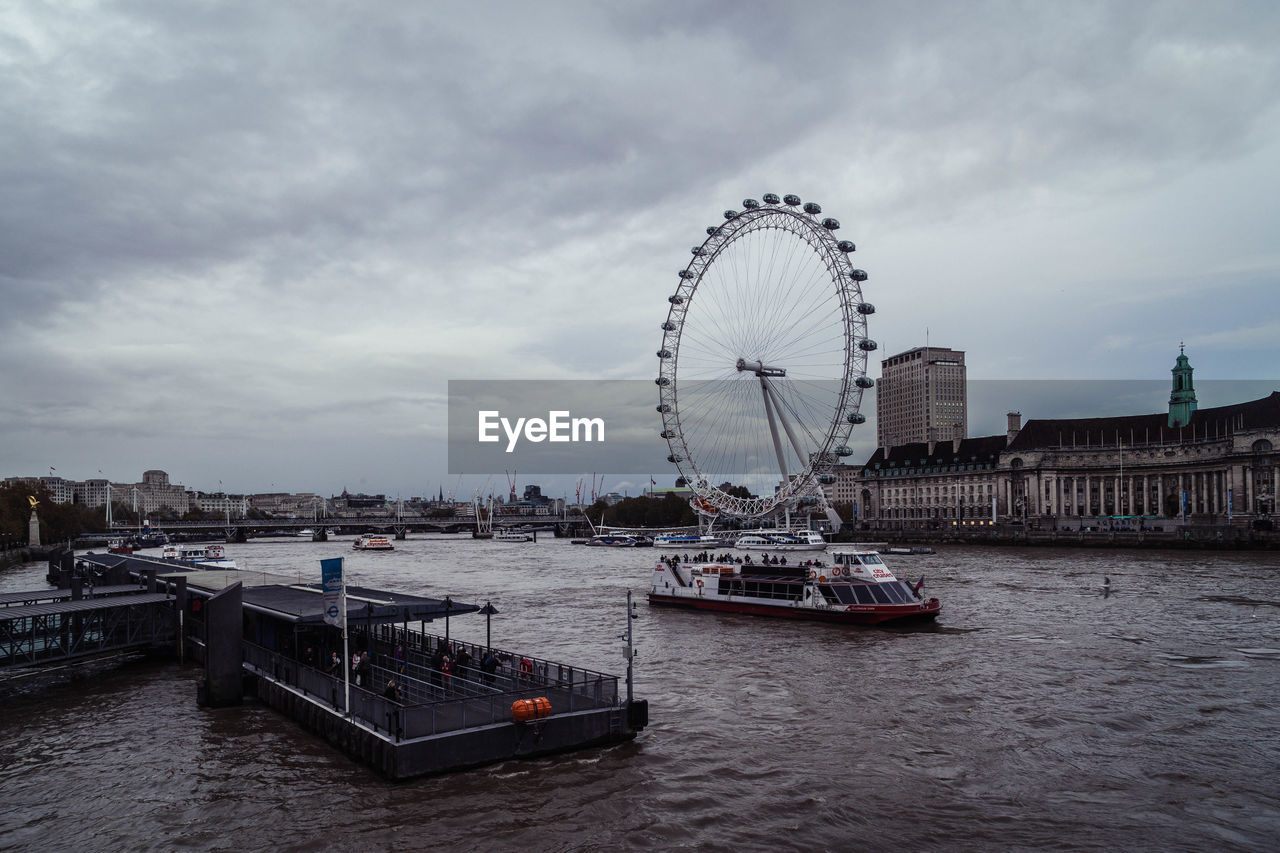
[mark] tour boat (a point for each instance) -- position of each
(691, 541)
(206, 556)
(781, 540)
(120, 546)
(369, 542)
(855, 588)
(504, 535)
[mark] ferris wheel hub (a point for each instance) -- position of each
(759, 368)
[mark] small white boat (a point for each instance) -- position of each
(205, 556)
(781, 540)
(369, 542)
(306, 531)
(691, 541)
(504, 535)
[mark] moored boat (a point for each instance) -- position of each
(372, 542)
(206, 556)
(691, 541)
(506, 535)
(855, 588)
(620, 540)
(120, 546)
(781, 540)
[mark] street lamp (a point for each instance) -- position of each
(489, 611)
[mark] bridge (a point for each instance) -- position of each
(241, 529)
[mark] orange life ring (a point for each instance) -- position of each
(813, 573)
(822, 578)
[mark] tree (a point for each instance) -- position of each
(58, 522)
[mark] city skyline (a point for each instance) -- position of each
(237, 262)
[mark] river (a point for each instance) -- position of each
(1045, 710)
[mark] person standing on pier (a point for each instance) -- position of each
(437, 668)
(364, 671)
(399, 656)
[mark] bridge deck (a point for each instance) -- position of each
(84, 605)
(8, 599)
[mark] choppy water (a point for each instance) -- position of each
(1039, 713)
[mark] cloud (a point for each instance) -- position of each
(313, 218)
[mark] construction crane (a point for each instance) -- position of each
(511, 484)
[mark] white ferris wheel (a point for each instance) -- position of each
(763, 361)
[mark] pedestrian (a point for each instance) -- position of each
(437, 667)
(391, 691)
(399, 656)
(364, 671)
(335, 665)
(309, 657)
(462, 661)
(489, 665)
(446, 673)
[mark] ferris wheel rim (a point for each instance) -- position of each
(845, 281)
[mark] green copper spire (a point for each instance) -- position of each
(1182, 401)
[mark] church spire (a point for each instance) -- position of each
(1182, 400)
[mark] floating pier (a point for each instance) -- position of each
(265, 636)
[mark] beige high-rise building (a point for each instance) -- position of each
(921, 396)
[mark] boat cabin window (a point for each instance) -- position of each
(833, 595)
(772, 589)
(879, 594)
(862, 593)
(872, 560)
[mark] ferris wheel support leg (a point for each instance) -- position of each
(773, 428)
(786, 424)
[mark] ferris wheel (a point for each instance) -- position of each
(763, 359)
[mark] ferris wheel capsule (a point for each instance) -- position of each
(675, 299)
(669, 326)
(844, 450)
(812, 208)
(866, 308)
(662, 381)
(770, 198)
(750, 203)
(826, 479)
(711, 229)
(830, 224)
(791, 199)
(846, 246)
(858, 275)
(664, 353)
(699, 250)
(867, 344)
(856, 418)
(864, 382)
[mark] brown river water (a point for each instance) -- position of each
(1041, 712)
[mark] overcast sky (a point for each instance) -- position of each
(250, 242)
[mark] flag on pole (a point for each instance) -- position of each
(334, 592)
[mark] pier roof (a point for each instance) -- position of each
(288, 598)
(303, 604)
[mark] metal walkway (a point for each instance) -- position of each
(48, 627)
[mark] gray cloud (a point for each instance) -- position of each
(315, 215)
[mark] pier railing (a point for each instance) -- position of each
(431, 702)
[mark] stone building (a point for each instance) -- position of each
(1184, 466)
